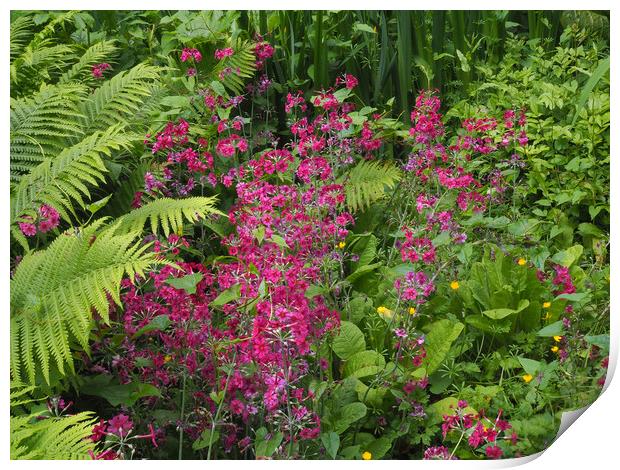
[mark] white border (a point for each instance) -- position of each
(592, 442)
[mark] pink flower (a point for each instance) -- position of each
(98, 69)
(221, 53)
(30, 230)
(120, 425)
(494, 452)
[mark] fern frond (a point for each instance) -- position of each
(64, 438)
(120, 97)
(41, 123)
(54, 291)
(21, 34)
(367, 182)
(242, 65)
(95, 54)
(168, 213)
(63, 180)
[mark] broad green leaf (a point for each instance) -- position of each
(187, 283)
(554, 329)
(441, 335)
(350, 340)
(117, 394)
(567, 257)
(500, 313)
(363, 364)
(331, 442)
(230, 294)
(349, 414)
(207, 436)
(160, 322)
(530, 366)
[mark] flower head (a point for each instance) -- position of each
(454, 285)
(527, 378)
(366, 455)
(521, 262)
(411, 310)
(546, 304)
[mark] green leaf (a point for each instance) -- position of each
(601, 341)
(350, 340)
(596, 76)
(187, 283)
(363, 364)
(96, 206)
(500, 313)
(530, 366)
(117, 394)
(266, 447)
(441, 335)
(160, 322)
(554, 329)
(181, 102)
(567, 257)
(218, 88)
(379, 447)
(349, 414)
(208, 436)
(364, 27)
(230, 294)
(278, 240)
(331, 442)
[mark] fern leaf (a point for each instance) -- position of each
(119, 98)
(63, 180)
(95, 54)
(77, 274)
(64, 438)
(367, 182)
(41, 124)
(168, 213)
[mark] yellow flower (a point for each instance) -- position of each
(411, 310)
(521, 262)
(557, 339)
(547, 305)
(383, 310)
(555, 349)
(366, 455)
(341, 245)
(527, 378)
(167, 358)
(547, 316)
(454, 285)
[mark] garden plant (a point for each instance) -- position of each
(306, 234)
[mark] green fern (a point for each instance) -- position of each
(42, 123)
(54, 291)
(168, 213)
(119, 98)
(21, 34)
(367, 182)
(63, 180)
(63, 438)
(243, 65)
(82, 69)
